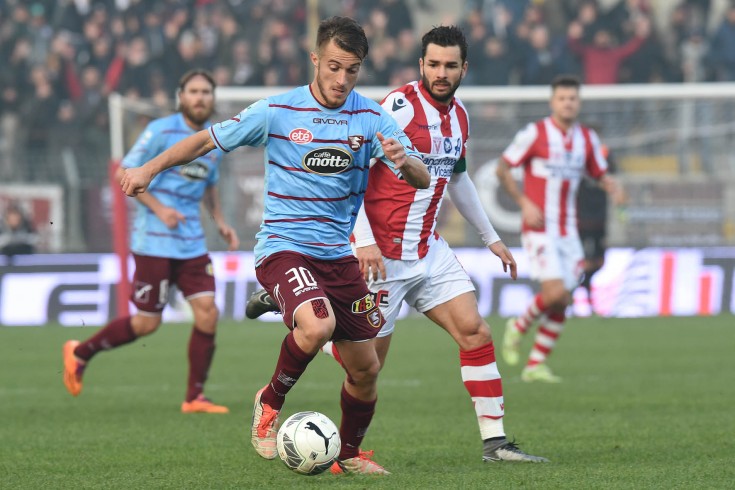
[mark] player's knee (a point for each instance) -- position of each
(557, 297)
(474, 334)
(315, 334)
(366, 375)
(206, 316)
(143, 325)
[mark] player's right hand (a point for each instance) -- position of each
(170, 216)
(371, 262)
(532, 214)
(135, 180)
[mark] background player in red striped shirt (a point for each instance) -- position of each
(555, 153)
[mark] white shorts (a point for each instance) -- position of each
(423, 284)
(554, 257)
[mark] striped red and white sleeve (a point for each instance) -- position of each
(520, 148)
(596, 163)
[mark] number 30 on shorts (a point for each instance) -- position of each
(303, 278)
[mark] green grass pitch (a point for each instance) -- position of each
(645, 403)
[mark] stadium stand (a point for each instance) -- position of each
(60, 60)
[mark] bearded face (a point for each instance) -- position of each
(196, 100)
(442, 70)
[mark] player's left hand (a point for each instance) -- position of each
(503, 253)
(135, 180)
(393, 150)
(230, 235)
(611, 185)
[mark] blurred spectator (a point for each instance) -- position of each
(37, 114)
(601, 60)
(136, 73)
(694, 51)
(541, 63)
(243, 70)
(379, 64)
(17, 235)
(497, 65)
(399, 16)
(723, 48)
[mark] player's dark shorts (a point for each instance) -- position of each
(593, 243)
(294, 279)
(153, 276)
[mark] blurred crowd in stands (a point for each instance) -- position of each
(59, 59)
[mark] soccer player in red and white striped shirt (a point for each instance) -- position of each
(402, 255)
(555, 153)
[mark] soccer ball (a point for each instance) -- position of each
(308, 442)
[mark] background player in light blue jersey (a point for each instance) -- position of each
(169, 246)
(319, 140)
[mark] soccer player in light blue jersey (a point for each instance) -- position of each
(168, 245)
(319, 141)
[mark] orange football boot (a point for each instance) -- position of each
(202, 404)
(73, 368)
(360, 464)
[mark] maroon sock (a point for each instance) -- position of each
(291, 365)
(201, 351)
(356, 417)
(118, 332)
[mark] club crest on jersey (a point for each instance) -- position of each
(326, 161)
(195, 171)
(436, 145)
(300, 136)
(374, 318)
(364, 304)
(356, 141)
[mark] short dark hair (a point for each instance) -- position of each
(445, 36)
(570, 81)
(186, 77)
(346, 33)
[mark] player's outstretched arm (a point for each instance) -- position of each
(412, 169)
(136, 180)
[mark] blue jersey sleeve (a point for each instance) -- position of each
(389, 128)
(149, 144)
(249, 127)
